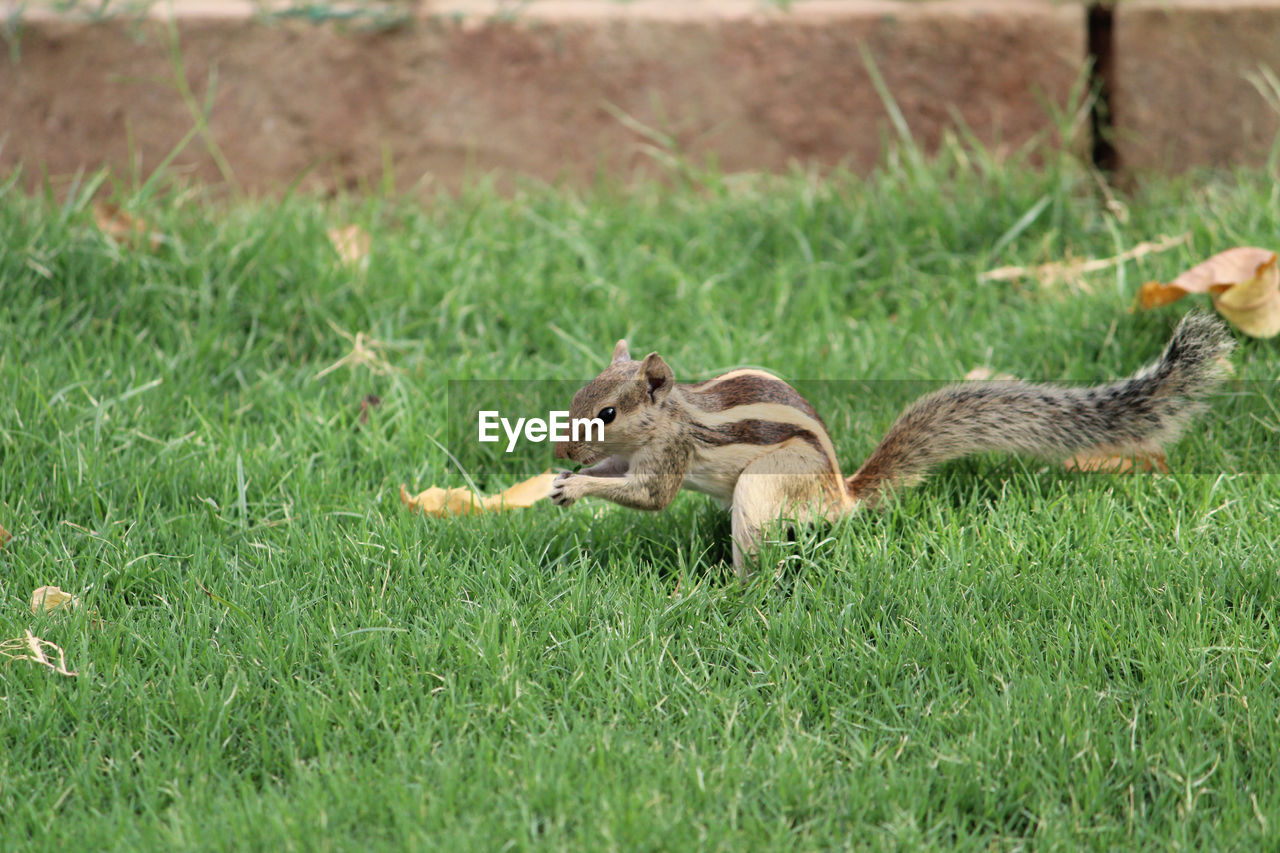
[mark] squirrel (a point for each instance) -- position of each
(753, 442)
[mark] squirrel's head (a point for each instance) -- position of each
(627, 398)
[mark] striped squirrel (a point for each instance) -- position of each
(750, 440)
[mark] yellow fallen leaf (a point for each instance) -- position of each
(352, 243)
(440, 502)
(1253, 306)
(1244, 283)
(524, 494)
(49, 598)
(437, 501)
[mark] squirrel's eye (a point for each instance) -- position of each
(607, 415)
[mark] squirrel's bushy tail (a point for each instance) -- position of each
(1137, 415)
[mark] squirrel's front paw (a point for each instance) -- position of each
(564, 489)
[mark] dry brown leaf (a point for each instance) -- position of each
(1114, 463)
(5, 536)
(352, 243)
(119, 224)
(1075, 270)
(1154, 294)
(1244, 283)
(441, 502)
(368, 404)
(33, 649)
(49, 598)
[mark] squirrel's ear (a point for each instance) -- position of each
(620, 352)
(657, 377)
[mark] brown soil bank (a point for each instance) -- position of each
(568, 89)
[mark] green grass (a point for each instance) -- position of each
(275, 654)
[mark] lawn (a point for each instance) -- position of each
(273, 653)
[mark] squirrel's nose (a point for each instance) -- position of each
(562, 450)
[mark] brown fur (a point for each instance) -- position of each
(716, 396)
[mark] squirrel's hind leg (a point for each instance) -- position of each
(788, 483)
